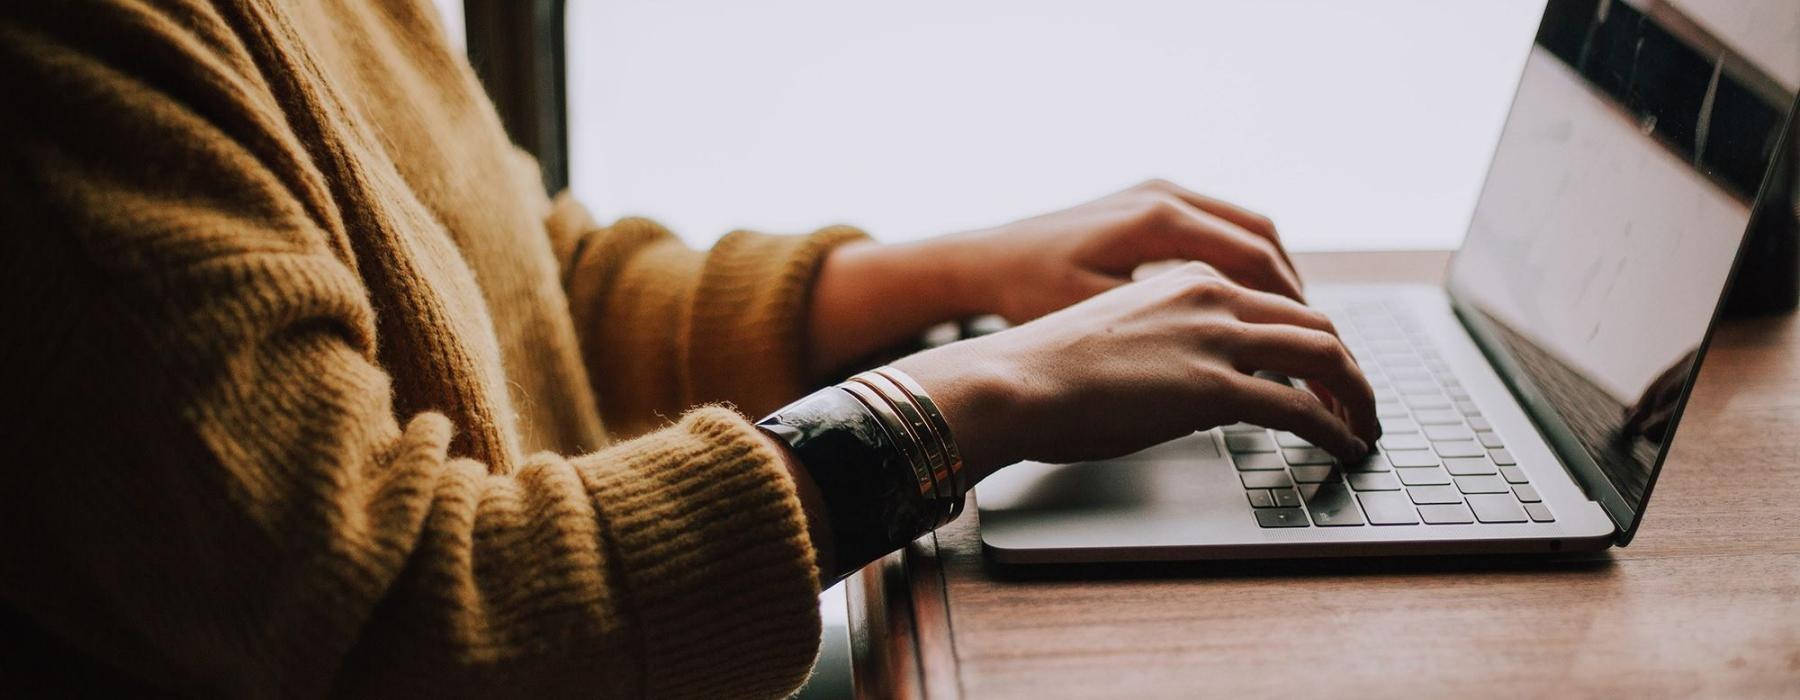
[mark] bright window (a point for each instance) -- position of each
(1356, 125)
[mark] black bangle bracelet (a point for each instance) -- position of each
(870, 493)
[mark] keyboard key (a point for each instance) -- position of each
(1390, 508)
(1391, 409)
(1468, 466)
(1438, 417)
(1452, 514)
(1448, 432)
(1285, 498)
(1331, 505)
(1479, 423)
(1384, 481)
(1433, 401)
(1390, 426)
(1497, 508)
(1456, 392)
(1241, 428)
(1490, 439)
(1414, 371)
(1424, 477)
(1393, 361)
(1307, 455)
(1403, 441)
(1513, 475)
(1482, 484)
(1375, 462)
(1260, 498)
(1526, 493)
(1287, 439)
(1412, 458)
(1258, 461)
(1502, 457)
(1317, 474)
(1416, 386)
(1467, 408)
(1427, 495)
(1265, 480)
(1249, 442)
(1539, 513)
(1281, 517)
(1458, 449)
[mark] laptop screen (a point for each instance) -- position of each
(1608, 225)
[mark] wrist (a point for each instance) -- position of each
(879, 483)
(981, 397)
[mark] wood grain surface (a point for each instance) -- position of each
(1705, 603)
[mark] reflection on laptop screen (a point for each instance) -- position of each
(1609, 221)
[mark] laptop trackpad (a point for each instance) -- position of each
(1162, 476)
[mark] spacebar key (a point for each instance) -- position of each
(1331, 505)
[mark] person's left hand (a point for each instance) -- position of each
(871, 296)
(1028, 268)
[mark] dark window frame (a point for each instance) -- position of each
(517, 49)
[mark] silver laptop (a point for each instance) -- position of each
(1527, 404)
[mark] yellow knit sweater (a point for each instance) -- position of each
(304, 380)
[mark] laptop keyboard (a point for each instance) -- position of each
(1439, 461)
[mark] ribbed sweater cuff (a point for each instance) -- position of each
(749, 330)
(712, 550)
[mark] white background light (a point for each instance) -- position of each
(1356, 125)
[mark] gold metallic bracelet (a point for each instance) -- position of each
(927, 406)
(916, 425)
(909, 448)
(920, 430)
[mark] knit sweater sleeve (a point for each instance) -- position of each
(208, 485)
(665, 326)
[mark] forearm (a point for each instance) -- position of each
(742, 311)
(870, 296)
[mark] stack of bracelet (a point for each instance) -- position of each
(883, 458)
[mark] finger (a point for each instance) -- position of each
(1173, 265)
(1331, 401)
(1244, 218)
(1252, 306)
(1320, 359)
(1262, 307)
(1282, 407)
(1242, 256)
(1094, 283)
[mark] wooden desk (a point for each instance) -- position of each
(1706, 601)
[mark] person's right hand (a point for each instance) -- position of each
(1146, 363)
